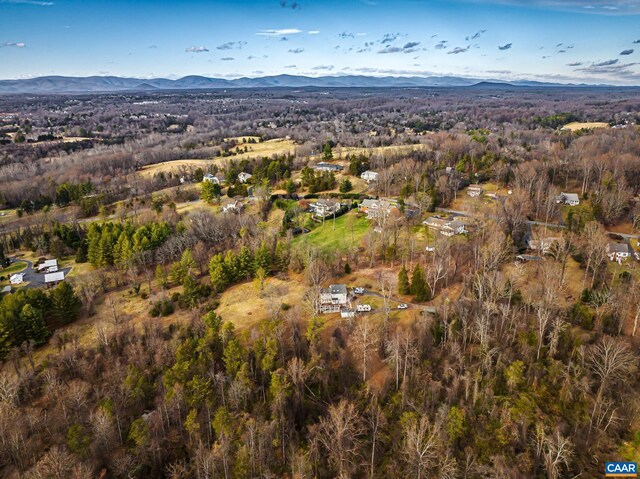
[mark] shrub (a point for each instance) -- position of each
(162, 308)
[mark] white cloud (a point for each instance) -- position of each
(313, 32)
(278, 32)
(13, 44)
(194, 49)
(28, 2)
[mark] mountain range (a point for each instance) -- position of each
(96, 84)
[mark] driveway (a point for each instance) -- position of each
(33, 279)
(428, 309)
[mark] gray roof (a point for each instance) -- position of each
(618, 248)
(570, 196)
(338, 288)
(329, 166)
(53, 277)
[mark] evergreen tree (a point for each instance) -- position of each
(345, 186)
(122, 251)
(245, 263)
(209, 191)
(263, 258)
(33, 325)
(327, 153)
(4, 261)
(65, 305)
(217, 272)
(419, 285)
(81, 252)
(403, 282)
(161, 277)
(232, 267)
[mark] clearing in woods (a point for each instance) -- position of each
(278, 146)
(256, 150)
(577, 125)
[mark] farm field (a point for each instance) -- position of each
(256, 150)
(576, 125)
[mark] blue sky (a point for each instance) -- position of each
(548, 40)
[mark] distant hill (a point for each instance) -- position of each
(62, 84)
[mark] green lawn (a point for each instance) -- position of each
(14, 268)
(345, 232)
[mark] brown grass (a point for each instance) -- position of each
(245, 306)
(576, 125)
(256, 150)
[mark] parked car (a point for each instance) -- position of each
(363, 308)
(358, 290)
(403, 306)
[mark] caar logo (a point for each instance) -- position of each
(621, 469)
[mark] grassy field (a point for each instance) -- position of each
(256, 150)
(576, 125)
(7, 215)
(338, 235)
(245, 306)
(13, 268)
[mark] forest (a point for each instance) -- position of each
(187, 340)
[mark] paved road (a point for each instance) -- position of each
(32, 278)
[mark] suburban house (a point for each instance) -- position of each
(474, 190)
(570, 199)
(542, 246)
(377, 208)
(244, 177)
(370, 176)
(48, 266)
(212, 179)
(233, 206)
(322, 166)
(51, 279)
(383, 207)
(333, 298)
(618, 251)
(325, 208)
(16, 278)
(445, 227)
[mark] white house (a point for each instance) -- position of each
(325, 208)
(322, 166)
(570, 199)
(210, 178)
(16, 278)
(244, 177)
(233, 206)
(445, 227)
(370, 176)
(50, 266)
(333, 298)
(377, 208)
(618, 251)
(474, 190)
(53, 278)
(542, 246)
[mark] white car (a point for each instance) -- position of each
(363, 308)
(403, 306)
(358, 290)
